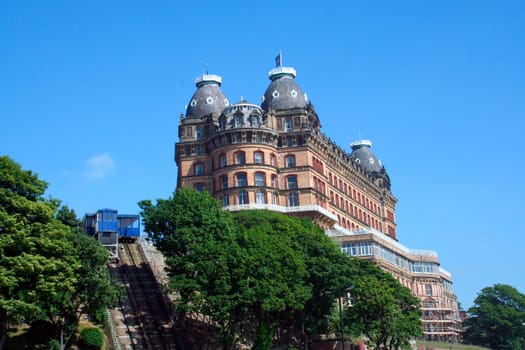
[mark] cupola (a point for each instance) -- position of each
(283, 93)
(208, 98)
(362, 155)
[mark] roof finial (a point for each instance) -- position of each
(207, 68)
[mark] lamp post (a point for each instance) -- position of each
(340, 297)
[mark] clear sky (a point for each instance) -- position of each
(91, 95)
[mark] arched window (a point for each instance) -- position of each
(242, 197)
(240, 158)
(254, 120)
(274, 181)
(273, 160)
(241, 179)
(222, 123)
(275, 198)
(258, 157)
(225, 200)
(223, 161)
(290, 161)
(238, 120)
(260, 197)
(293, 199)
(199, 169)
(260, 179)
(224, 182)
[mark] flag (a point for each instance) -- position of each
(278, 60)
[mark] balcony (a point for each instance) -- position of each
(309, 210)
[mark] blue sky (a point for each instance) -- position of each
(92, 93)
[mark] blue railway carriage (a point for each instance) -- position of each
(110, 228)
(128, 227)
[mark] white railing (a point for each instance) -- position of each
(282, 209)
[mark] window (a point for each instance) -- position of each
(288, 124)
(238, 120)
(255, 121)
(428, 289)
(225, 200)
(258, 158)
(241, 179)
(224, 182)
(199, 187)
(292, 182)
(223, 160)
(293, 199)
(260, 179)
(274, 198)
(290, 161)
(260, 197)
(240, 158)
(198, 133)
(242, 197)
(273, 160)
(199, 169)
(274, 181)
(222, 123)
(198, 150)
(289, 141)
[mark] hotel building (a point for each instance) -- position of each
(275, 156)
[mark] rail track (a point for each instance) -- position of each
(144, 311)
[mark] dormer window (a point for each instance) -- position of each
(288, 124)
(238, 121)
(198, 133)
(255, 121)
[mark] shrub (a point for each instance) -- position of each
(92, 338)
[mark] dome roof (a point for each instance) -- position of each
(283, 92)
(241, 115)
(363, 156)
(208, 98)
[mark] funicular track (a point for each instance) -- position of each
(146, 313)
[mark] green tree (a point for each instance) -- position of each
(497, 319)
(329, 272)
(382, 309)
(47, 271)
(254, 278)
(275, 268)
(37, 269)
(95, 289)
(197, 239)
(68, 217)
